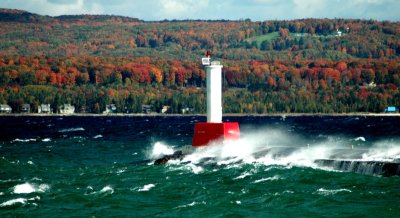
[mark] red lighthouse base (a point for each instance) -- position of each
(204, 133)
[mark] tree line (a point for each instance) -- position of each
(90, 83)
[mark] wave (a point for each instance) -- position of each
(276, 177)
(106, 190)
(71, 130)
(27, 188)
(158, 150)
(14, 202)
(23, 140)
(276, 147)
(326, 192)
(146, 188)
(194, 203)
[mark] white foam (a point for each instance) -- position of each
(244, 175)
(71, 130)
(119, 171)
(43, 188)
(360, 139)
(146, 188)
(383, 151)
(13, 202)
(195, 169)
(159, 149)
(276, 147)
(27, 188)
(34, 198)
(46, 140)
(325, 192)
(97, 136)
(23, 140)
(191, 204)
(107, 189)
(276, 177)
(30, 162)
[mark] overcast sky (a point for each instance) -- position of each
(256, 10)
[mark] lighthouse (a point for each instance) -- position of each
(214, 129)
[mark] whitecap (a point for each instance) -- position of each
(242, 176)
(97, 136)
(13, 202)
(107, 189)
(27, 188)
(146, 188)
(191, 204)
(43, 188)
(30, 162)
(195, 169)
(34, 198)
(276, 177)
(71, 130)
(46, 140)
(360, 139)
(36, 179)
(89, 190)
(23, 140)
(121, 171)
(325, 192)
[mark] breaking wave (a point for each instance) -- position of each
(276, 147)
(71, 130)
(27, 188)
(23, 140)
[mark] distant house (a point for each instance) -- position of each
(165, 109)
(5, 108)
(82, 109)
(338, 33)
(110, 108)
(187, 110)
(391, 110)
(67, 109)
(26, 108)
(146, 109)
(44, 109)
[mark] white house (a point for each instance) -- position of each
(44, 109)
(67, 109)
(5, 108)
(110, 108)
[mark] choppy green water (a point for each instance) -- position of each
(86, 170)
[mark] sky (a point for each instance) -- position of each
(256, 10)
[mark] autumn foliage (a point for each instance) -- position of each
(269, 67)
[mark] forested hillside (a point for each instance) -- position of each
(310, 65)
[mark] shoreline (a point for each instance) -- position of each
(200, 115)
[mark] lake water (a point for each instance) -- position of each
(101, 167)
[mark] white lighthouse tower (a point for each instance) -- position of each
(214, 129)
(214, 92)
